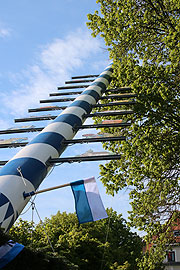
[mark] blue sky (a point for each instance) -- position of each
(42, 44)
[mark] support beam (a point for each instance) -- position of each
(52, 117)
(83, 77)
(110, 104)
(22, 130)
(3, 162)
(13, 145)
(93, 140)
(72, 87)
(119, 96)
(36, 118)
(79, 81)
(56, 100)
(82, 159)
(37, 129)
(121, 125)
(118, 90)
(53, 161)
(113, 113)
(67, 142)
(48, 108)
(65, 94)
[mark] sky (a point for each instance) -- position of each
(43, 44)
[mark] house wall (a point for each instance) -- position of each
(173, 265)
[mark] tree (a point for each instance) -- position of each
(108, 243)
(143, 39)
(30, 258)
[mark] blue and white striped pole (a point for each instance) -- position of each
(27, 169)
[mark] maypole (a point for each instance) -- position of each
(27, 169)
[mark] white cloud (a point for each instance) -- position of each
(52, 67)
(4, 32)
(4, 124)
(70, 52)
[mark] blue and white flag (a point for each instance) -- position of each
(88, 203)
(8, 252)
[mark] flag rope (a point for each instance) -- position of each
(20, 172)
(49, 241)
(107, 234)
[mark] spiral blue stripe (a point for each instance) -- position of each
(70, 119)
(82, 104)
(106, 76)
(32, 169)
(51, 138)
(100, 84)
(108, 69)
(92, 93)
(9, 212)
(3, 199)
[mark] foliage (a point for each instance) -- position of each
(3, 237)
(125, 266)
(30, 258)
(143, 38)
(147, 30)
(108, 243)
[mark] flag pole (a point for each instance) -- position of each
(32, 193)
